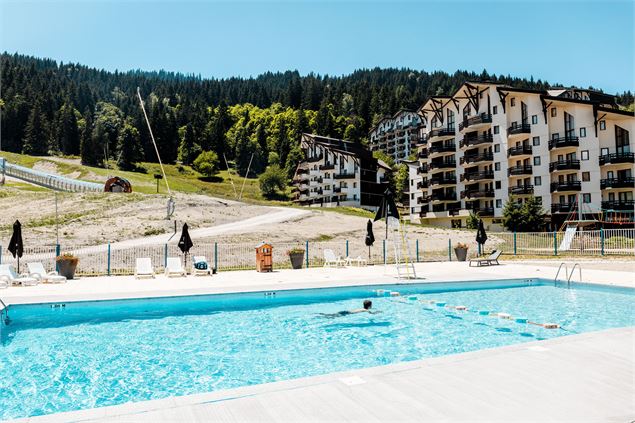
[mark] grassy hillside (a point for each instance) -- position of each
(180, 178)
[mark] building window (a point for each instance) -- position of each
(537, 161)
(554, 113)
(497, 148)
(499, 204)
(354, 184)
(586, 176)
(586, 198)
(584, 155)
(497, 166)
(495, 110)
(412, 210)
(602, 125)
(512, 102)
(536, 141)
(498, 184)
(582, 132)
(537, 181)
(534, 119)
(604, 151)
(496, 129)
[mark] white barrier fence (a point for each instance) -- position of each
(47, 180)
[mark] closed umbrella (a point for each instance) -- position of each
(481, 236)
(387, 208)
(185, 242)
(16, 246)
(370, 238)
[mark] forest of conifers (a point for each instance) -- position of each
(70, 109)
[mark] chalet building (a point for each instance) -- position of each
(570, 148)
(338, 173)
(397, 136)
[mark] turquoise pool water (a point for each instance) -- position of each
(93, 354)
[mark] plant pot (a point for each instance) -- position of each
(297, 260)
(67, 268)
(461, 254)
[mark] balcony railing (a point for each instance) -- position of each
(483, 211)
(442, 148)
(522, 150)
(472, 194)
(314, 159)
(566, 186)
(519, 170)
(422, 184)
(521, 190)
(562, 207)
(628, 182)
(523, 128)
(422, 200)
(327, 166)
(564, 165)
(422, 169)
(618, 205)
(475, 120)
(472, 141)
(449, 164)
(344, 175)
(477, 158)
(441, 132)
(477, 176)
(423, 153)
(562, 142)
(443, 181)
(442, 197)
(616, 158)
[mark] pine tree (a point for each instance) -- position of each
(36, 136)
(89, 155)
(188, 148)
(533, 215)
(512, 215)
(68, 135)
(128, 147)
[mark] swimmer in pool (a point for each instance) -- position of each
(368, 304)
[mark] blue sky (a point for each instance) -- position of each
(571, 42)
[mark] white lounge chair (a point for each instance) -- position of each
(490, 260)
(36, 270)
(174, 267)
(356, 261)
(9, 275)
(200, 272)
(143, 268)
(330, 259)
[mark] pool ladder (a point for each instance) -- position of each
(567, 274)
(5, 310)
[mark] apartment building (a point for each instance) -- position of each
(568, 147)
(338, 173)
(397, 136)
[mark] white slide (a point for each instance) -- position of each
(569, 233)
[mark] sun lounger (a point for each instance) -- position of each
(143, 268)
(196, 260)
(490, 260)
(37, 271)
(9, 275)
(174, 268)
(330, 259)
(357, 261)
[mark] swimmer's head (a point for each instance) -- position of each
(367, 304)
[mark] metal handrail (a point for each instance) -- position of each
(566, 272)
(5, 309)
(571, 274)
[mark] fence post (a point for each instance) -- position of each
(0, 254)
(555, 243)
(58, 251)
(384, 248)
(347, 248)
(165, 255)
(306, 253)
(514, 242)
(216, 256)
(602, 240)
(417, 249)
(449, 249)
(109, 259)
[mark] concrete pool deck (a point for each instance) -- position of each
(583, 378)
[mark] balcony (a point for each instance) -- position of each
(440, 132)
(628, 182)
(446, 164)
(314, 159)
(564, 165)
(521, 190)
(519, 170)
(523, 150)
(442, 148)
(443, 181)
(337, 190)
(483, 211)
(563, 142)
(523, 128)
(422, 184)
(422, 200)
(423, 153)
(442, 197)
(327, 166)
(477, 176)
(422, 169)
(344, 175)
(475, 140)
(483, 118)
(618, 205)
(617, 158)
(476, 158)
(562, 207)
(566, 186)
(474, 194)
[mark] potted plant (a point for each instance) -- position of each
(296, 255)
(461, 251)
(66, 265)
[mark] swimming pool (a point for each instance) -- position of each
(82, 355)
